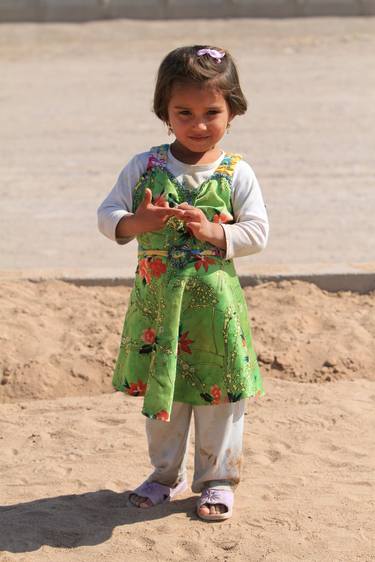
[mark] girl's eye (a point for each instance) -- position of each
(184, 112)
(213, 112)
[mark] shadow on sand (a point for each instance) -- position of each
(76, 520)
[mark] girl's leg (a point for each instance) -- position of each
(167, 446)
(218, 447)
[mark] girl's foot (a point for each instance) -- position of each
(139, 501)
(149, 494)
(215, 504)
(207, 509)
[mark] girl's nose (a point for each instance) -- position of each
(200, 125)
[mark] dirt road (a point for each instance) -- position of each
(76, 104)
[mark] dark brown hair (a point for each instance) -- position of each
(184, 65)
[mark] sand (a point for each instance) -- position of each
(60, 340)
(72, 448)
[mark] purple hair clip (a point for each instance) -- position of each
(212, 52)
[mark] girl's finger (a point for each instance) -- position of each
(177, 212)
(161, 202)
(194, 226)
(147, 197)
(189, 216)
(172, 212)
(165, 213)
(185, 206)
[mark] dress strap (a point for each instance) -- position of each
(158, 156)
(228, 164)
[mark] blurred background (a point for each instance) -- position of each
(75, 106)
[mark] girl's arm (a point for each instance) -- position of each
(249, 234)
(118, 204)
(115, 219)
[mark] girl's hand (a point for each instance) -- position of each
(147, 218)
(151, 217)
(199, 225)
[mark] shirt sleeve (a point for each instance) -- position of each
(119, 202)
(249, 234)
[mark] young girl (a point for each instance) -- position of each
(186, 344)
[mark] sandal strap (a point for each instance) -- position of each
(158, 493)
(155, 492)
(216, 496)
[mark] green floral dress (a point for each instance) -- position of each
(186, 334)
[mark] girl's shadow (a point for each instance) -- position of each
(76, 520)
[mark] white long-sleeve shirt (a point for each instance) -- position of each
(248, 235)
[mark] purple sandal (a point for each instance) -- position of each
(216, 496)
(158, 493)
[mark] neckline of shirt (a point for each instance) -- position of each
(195, 167)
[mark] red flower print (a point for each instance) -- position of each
(137, 389)
(201, 260)
(221, 218)
(142, 387)
(157, 267)
(149, 335)
(144, 270)
(162, 415)
(216, 393)
(184, 342)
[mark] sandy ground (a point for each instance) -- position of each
(59, 340)
(75, 105)
(68, 459)
(307, 491)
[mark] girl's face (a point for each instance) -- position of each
(198, 116)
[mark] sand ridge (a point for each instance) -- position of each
(59, 339)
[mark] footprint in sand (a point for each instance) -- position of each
(111, 421)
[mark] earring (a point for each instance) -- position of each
(170, 130)
(228, 127)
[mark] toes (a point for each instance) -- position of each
(212, 509)
(217, 509)
(135, 500)
(139, 501)
(145, 503)
(204, 510)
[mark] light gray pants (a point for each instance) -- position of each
(218, 444)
